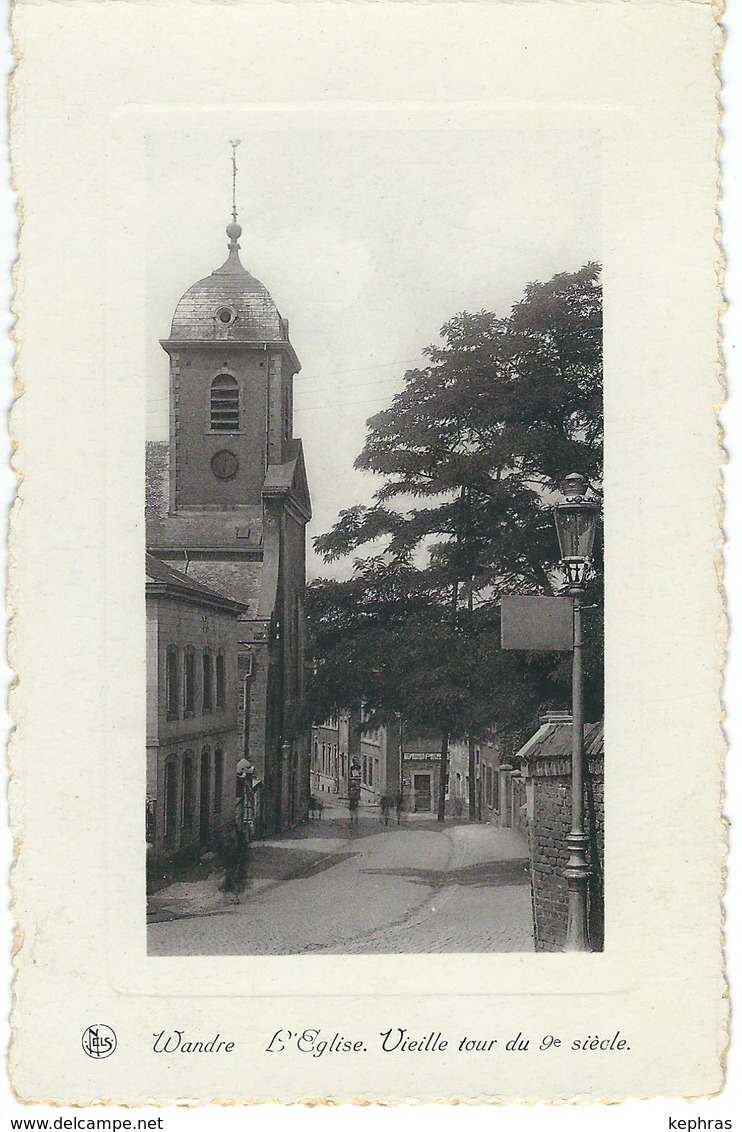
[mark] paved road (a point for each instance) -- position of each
(328, 888)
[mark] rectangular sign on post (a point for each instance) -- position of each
(536, 624)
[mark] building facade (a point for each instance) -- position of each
(326, 758)
(228, 504)
(421, 763)
(346, 736)
(379, 753)
(193, 739)
(421, 772)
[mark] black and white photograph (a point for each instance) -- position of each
(374, 543)
(367, 619)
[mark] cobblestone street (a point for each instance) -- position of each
(330, 888)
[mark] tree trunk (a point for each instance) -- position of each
(472, 781)
(444, 776)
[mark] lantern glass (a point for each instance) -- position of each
(576, 524)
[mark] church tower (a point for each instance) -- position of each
(236, 506)
(232, 368)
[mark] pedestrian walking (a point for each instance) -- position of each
(399, 805)
(232, 854)
(353, 807)
(386, 806)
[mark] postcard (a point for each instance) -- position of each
(365, 606)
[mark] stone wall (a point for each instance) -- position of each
(546, 768)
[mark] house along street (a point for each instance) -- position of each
(332, 887)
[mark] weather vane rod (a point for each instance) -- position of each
(234, 143)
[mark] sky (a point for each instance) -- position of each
(369, 241)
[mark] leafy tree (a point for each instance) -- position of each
(475, 441)
(470, 452)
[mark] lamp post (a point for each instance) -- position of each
(576, 519)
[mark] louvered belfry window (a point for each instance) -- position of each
(225, 404)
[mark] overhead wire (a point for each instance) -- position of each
(334, 373)
(320, 408)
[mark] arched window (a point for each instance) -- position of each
(225, 404)
(218, 780)
(186, 798)
(171, 788)
(189, 681)
(204, 796)
(207, 682)
(221, 692)
(171, 684)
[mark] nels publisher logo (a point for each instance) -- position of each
(99, 1041)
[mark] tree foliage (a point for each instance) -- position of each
(469, 454)
(474, 443)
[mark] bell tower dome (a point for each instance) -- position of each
(232, 367)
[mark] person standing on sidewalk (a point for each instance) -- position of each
(354, 789)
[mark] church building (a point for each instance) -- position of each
(228, 503)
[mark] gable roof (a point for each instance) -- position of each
(290, 478)
(553, 740)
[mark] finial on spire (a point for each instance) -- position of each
(234, 143)
(233, 230)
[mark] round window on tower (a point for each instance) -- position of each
(225, 316)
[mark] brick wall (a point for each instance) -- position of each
(546, 767)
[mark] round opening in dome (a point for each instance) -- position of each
(226, 315)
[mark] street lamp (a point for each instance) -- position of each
(576, 519)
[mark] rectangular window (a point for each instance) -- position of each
(221, 682)
(189, 682)
(206, 659)
(171, 680)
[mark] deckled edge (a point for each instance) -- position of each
(718, 9)
(13, 509)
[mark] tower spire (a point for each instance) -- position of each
(234, 143)
(233, 230)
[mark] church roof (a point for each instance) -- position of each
(238, 529)
(230, 305)
(162, 580)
